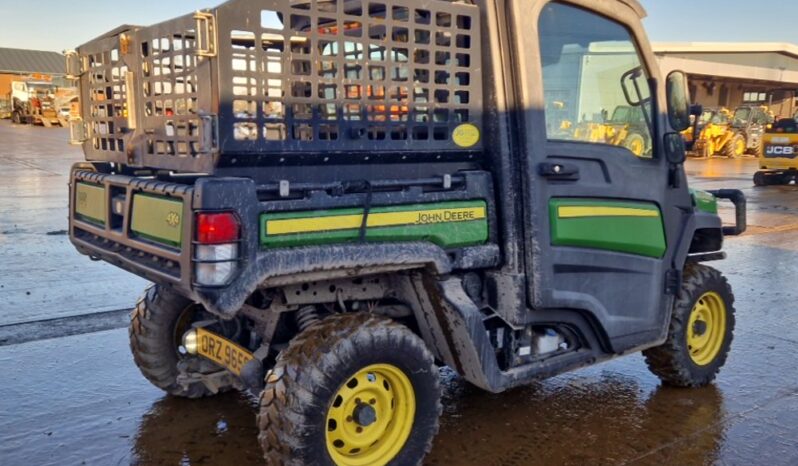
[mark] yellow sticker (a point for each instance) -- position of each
(466, 135)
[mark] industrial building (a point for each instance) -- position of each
(19, 64)
(732, 74)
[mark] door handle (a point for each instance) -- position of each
(558, 171)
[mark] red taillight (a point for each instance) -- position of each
(217, 228)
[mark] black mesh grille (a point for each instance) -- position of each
(169, 89)
(326, 75)
(106, 96)
(285, 76)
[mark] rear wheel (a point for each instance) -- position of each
(351, 390)
(760, 179)
(157, 325)
(757, 148)
(16, 118)
(700, 332)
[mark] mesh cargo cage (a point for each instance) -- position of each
(270, 79)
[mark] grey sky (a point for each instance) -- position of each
(58, 25)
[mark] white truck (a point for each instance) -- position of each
(33, 102)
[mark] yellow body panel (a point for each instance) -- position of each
(157, 218)
(578, 212)
(90, 202)
(775, 144)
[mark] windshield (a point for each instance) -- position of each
(627, 115)
(719, 118)
(706, 116)
(741, 117)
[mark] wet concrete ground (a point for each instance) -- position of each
(80, 400)
(41, 276)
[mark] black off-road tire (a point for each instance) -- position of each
(756, 149)
(16, 118)
(760, 179)
(671, 361)
(317, 362)
(729, 149)
(153, 343)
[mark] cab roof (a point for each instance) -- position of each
(636, 6)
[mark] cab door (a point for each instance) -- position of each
(604, 212)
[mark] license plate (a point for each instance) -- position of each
(222, 351)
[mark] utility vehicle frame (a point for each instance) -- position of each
(333, 198)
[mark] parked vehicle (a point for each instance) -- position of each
(626, 127)
(33, 103)
(778, 159)
(750, 122)
(325, 225)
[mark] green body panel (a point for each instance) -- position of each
(90, 203)
(639, 235)
(157, 219)
(447, 234)
(704, 201)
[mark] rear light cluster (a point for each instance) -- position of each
(216, 252)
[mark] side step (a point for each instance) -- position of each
(458, 333)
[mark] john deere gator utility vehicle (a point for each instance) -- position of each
(334, 198)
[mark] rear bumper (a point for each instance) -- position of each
(114, 242)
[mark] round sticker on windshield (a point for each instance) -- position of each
(466, 135)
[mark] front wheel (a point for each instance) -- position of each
(351, 390)
(735, 148)
(700, 332)
(636, 143)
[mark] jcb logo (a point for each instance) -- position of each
(780, 150)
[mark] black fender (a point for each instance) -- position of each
(294, 265)
(700, 228)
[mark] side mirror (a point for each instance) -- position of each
(678, 101)
(675, 149)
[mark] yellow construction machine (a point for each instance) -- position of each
(626, 127)
(717, 137)
(778, 159)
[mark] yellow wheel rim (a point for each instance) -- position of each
(370, 417)
(739, 148)
(636, 146)
(706, 330)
